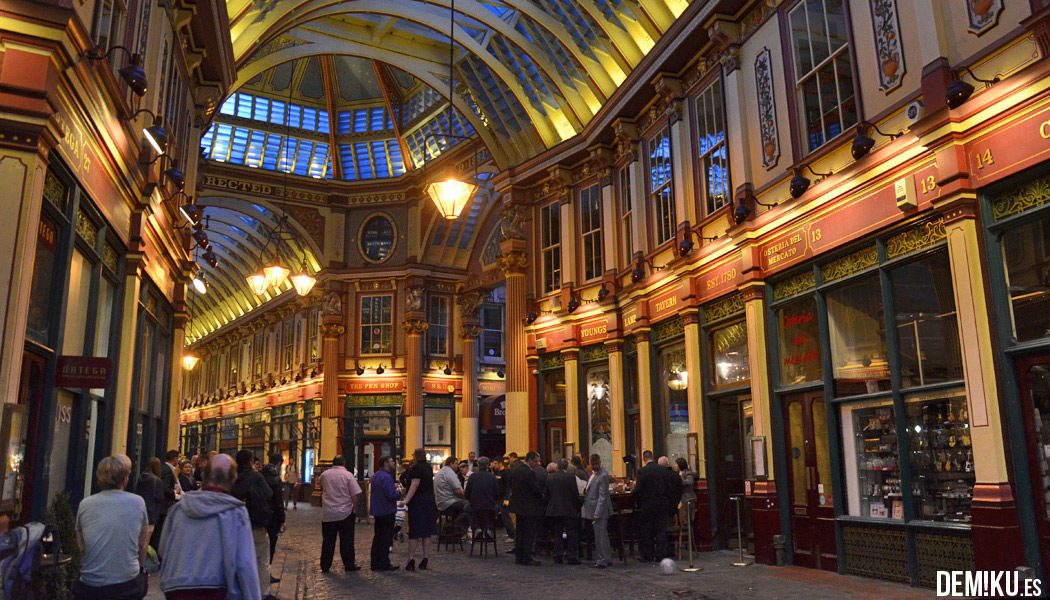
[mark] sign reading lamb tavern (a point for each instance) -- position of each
(88, 372)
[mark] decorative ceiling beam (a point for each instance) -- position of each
(392, 97)
(330, 89)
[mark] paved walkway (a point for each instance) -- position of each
(457, 577)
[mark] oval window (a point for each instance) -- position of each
(377, 239)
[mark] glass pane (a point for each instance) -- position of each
(1026, 254)
(927, 326)
(1039, 394)
(870, 454)
(811, 112)
(836, 24)
(847, 96)
(858, 337)
(377, 239)
(674, 403)
(820, 439)
(438, 426)
(729, 352)
(800, 41)
(77, 305)
(818, 35)
(43, 272)
(941, 456)
(553, 394)
(797, 453)
(599, 413)
(799, 342)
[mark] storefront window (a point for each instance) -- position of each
(376, 324)
(941, 456)
(799, 342)
(1039, 394)
(873, 475)
(674, 403)
(729, 353)
(1026, 254)
(858, 337)
(926, 323)
(599, 413)
(554, 394)
(438, 427)
(43, 272)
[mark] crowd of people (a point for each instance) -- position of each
(186, 509)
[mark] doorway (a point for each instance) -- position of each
(370, 452)
(30, 394)
(1033, 382)
(735, 424)
(809, 474)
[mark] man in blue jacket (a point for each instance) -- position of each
(383, 509)
(207, 542)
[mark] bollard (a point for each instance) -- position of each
(739, 535)
(779, 542)
(689, 529)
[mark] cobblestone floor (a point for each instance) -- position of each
(455, 576)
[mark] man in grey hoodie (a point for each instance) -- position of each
(207, 542)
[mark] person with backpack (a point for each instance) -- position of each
(272, 474)
(112, 533)
(251, 488)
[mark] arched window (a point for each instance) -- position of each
(377, 239)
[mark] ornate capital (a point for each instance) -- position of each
(332, 330)
(414, 299)
(415, 326)
(469, 331)
(512, 222)
(470, 304)
(513, 263)
(730, 59)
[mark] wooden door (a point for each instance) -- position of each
(554, 441)
(809, 467)
(1033, 382)
(30, 394)
(371, 452)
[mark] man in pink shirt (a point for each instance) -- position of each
(339, 490)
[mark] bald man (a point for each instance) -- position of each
(207, 542)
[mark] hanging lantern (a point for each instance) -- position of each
(189, 360)
(678, 380)
(258, 282)
(200, 284)
(451, 195)
(276, 273)
(303, 282)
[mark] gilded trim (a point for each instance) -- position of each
(1029, 195)
(850, 264)
(803, 282)
(726, 307)
(916, 238)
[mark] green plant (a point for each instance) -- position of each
(60, 517)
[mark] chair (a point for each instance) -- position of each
(483, 531)
(677, 530)
(447, 532)
(623, 533)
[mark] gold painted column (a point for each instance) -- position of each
(415, 328)
(616, 397)
(695, 400)
(645, 391)
(331, 406)
(178, 340)
(758, 357)
(467, 438)
(513, 262)
(126, 357)
(571, 361)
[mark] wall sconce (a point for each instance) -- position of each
(380, 370)
(448, 369)
(200, 283)
(156, 134)
(638, 272)
(313, 373)
(360, 369)
(960, 91)
(132, 73)
(210, 258)
(862, 144)
(501, 373)
(574, 302)
(173, 173)
(191, 211)
(604, 292)
(799, 183)
(686, 245)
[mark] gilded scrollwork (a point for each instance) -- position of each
(916, 238)
(415, 326)
(1027, 196)
(850, 264)
(803, 282)
(726, 307)
(513, 262)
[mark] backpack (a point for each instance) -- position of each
(21, 553)
(257, 500)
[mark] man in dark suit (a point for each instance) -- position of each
(526, 501)
(502, 472)
(674, 494)
(650, 495)
(563, 512)
(168, 480)
(482, 491)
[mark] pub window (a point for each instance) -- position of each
(731, 366)
(823, 73)
(492, 331)
(711, 141)
(673, 407)
(437, 333)
(1026, 255)
(799, 342)
(623, 188)
(591, 232)
(257, 356)
(235, 355)
(377, 324)
(288, 340)
(661, 186)
(550, 246)
(858, 337)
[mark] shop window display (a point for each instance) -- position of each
(924, 306)
(870, 454)
(799, 342)
(941, 456)
(599, 413)
(674, 404)
(1039, 394)
(858, 338)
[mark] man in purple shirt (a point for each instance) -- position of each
(339, 490)
(383, 510)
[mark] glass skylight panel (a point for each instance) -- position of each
(345, 121)
(360, 120)
(363, 160)
(397, 162)
(244, 106)
(375, 121)
(239, 145)
(262, 109)
(309, 118)
(221, 148)
(302, 158)
(329, 172)
(346, 160)
(256, 147)
(318, 161)
(277, 112)
(207, 139)
(273, 150)
(229, 107)
(295, 115)
(322, 121)
(379, 158)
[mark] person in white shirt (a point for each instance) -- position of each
(339, 491)
(291, 480)
(448, 493)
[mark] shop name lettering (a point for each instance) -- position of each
(596, 330)
(74, 370)
(722, 279)
(76, 143)
(791, 247)
(257, 188)
(389, 385)
(630, 320)
(799, 340)
(666, 304)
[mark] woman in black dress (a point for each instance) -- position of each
(422, 509)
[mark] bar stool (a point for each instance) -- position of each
(483, 531)
(447, 532)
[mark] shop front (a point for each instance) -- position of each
(551, 409)
(874, 443)
(230, 434)
(438, 430)
(373, 427)
(670, 398)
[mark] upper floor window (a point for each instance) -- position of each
(711, 143)
(492, 331)
(623, 188)
(550, 246)
(591, 231)
(235, 359)
(377, 239)
(437, 334)
(315, 350)
(288, 340)
(257, 355)
(661, 186)
(377, 324)
(107, 24)
(823, 73)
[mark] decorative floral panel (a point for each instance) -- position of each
(86, 229)
(983, 14)
(876, 552)
(55, 191)
(724, 308)
(916, 238)
(594, 353)
(110, 258)
(668, 329)
(850, 264)
(803, 282)
(888, 43)
(1029, 195)
(767, 112)
(551, 360)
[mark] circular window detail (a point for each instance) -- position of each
(377, 238)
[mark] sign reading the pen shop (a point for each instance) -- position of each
(393, 385)
(86, 372)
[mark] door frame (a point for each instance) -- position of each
(1039, 505)
(820, 558)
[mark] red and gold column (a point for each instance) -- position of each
(331, 406)
(467, 439)
(616, 395)
(520, 421)
(415, 328)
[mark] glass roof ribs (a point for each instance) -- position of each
(254, 148)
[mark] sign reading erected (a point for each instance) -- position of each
(88, 372)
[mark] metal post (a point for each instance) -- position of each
(689, 529)
(739, 536)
